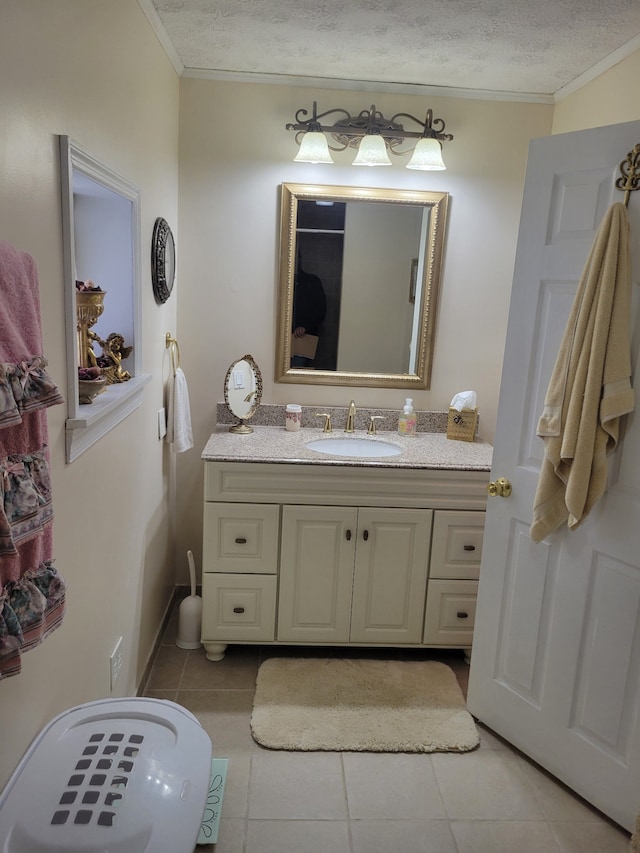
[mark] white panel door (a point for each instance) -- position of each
(556, 651)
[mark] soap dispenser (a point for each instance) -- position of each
(407, 419)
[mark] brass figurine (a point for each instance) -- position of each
(89, 307)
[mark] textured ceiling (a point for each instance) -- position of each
(516, 46)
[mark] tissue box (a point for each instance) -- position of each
(461, 426)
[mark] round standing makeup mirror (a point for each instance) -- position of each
(243, 392)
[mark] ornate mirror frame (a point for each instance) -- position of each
(163, 260)
(243, 392)
(437, 203)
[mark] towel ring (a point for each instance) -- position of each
(172, 343)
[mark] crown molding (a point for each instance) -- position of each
(157, 26)
(599, 68)
(366, 86)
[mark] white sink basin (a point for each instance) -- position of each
(365, 448)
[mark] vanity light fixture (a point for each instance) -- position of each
(372, 134)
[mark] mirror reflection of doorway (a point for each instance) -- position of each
(320, 248)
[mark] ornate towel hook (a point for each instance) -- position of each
(630, 173)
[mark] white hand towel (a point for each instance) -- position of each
(179, 434)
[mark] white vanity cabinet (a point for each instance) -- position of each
(304, 554)
(353, 575)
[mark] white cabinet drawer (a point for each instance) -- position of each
(241, 538)
(239, 607)
(450, 613)
(457, 544)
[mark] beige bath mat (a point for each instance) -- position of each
(360, 705)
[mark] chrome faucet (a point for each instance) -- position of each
(351, 417)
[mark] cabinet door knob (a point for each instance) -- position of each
(462, 614)
(348, 535)
(365, 535)
(240, 540)
(469, 547)
(238, 609)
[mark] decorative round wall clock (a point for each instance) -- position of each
(163, 260)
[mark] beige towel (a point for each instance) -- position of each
(590, 387)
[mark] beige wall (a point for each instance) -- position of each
(611, 98)
(95, 71)
(234, 154)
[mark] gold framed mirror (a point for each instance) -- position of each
(358, 285)
(243, 392)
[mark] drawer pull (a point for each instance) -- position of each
(469, 547)
(348, 535)
(241, 540)
(238, 609)
(365, 535)
(462, 614)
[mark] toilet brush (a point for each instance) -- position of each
(190, 614)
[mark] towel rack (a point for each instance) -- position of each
(172, 343)
(629, 179)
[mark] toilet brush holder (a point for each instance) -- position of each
(190, 614)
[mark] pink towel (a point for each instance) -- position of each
(32, 593)
(20, 333)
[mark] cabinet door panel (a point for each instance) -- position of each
(316, 571)
(390, 575)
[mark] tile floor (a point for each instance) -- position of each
(492, 800)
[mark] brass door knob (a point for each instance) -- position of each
(500, 489)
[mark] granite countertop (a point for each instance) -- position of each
(426, 450)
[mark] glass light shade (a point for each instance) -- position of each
(313, 149)
(372, 152)
(427, 155)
